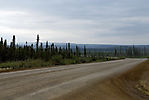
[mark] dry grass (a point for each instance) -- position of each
(143, 85)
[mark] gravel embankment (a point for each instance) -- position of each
(131, 85)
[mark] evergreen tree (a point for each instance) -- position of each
(47, 53)
(13, 41)
(1, 49)
(115, 52)
(145, 52)
(77, 51)
(56, 51)
(84, 51)
(52, 50)
(120, 51)
(37, 43)
(5, 52)
(5, 43)
(12, 49)
(60, 51)
(69, 50)
(41, 51)
(66, 52)
(1, 42)
(37, 48)
(129, 52)
(32, 51)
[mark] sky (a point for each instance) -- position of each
(76, 21)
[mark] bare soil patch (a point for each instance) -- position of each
(131, 85)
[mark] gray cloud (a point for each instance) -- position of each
(81, 21)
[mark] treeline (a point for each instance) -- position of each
(131, 52)
(59, 55)
(14, 52)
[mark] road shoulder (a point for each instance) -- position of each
(121, 87)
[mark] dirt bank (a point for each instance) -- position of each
(131, 85)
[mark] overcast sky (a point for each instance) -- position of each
(79, 21)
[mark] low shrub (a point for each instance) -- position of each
(56, 60)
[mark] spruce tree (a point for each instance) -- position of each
(1, 42)
(12, 49)
(37, 43)
(145, 52)
(69, 50)
(1, 49)
(52, 50)
(77, 51)
(13, 41)
(120, 51)
(84, 51)
(66, 52)
(115, 52)
(47, 54)
(32, 51)
(41, 51)
(60, 51)
(37, 48)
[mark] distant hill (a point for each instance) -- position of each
(93, 47)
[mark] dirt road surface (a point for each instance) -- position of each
(73, 82)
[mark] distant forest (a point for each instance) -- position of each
(16, 52)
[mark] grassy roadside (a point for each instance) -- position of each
(38, 63)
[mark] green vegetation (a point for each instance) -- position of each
(15, 57)
(56, 60)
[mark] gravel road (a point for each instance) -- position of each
(53, 82)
